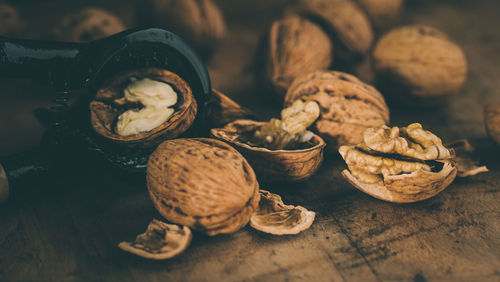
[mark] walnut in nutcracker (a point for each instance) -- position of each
(346, 23)
(199, 22)
(419, 65)
(348, 106)
(87, 25)
(401, 165)
(143, 107)
(202, 183)
(294, 46)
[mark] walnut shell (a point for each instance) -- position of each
(419, 65)
(273, 165)
(87, 25)
(383, 13)
(224, 110)
(104, 114)
(10, 20)
(199, 22)
(348, 106)
(492, 122)
(160, 241)
(202, 183)
(295, 46)
(345, 22)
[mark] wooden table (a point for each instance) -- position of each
(68, 228)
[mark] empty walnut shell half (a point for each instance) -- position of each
(160, 241)
(108, 105)
(348, 106)
(345, 22)
(399, 165)
(274, 217)
(492, 121)
(273, 165)
(224, 110)
(202, 183)
(87, 25)
(294, 46)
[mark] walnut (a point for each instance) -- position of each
(402, 165)
(492, 122)
(87, 25)
(279, 150)
(274, 217)
(4, 185)
(348, 106)
(294, 46)
(160, 241)
(143, 107)
(199, 22)
(202, 183)
(10, 20)
(383, 13)
(345, 22)
(224, 110)
(419, 65)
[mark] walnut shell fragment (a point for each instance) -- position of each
(160, 241)
(224, 110)
(348, 106)
(400, 165)
(466, 164)
(87, 25)
(273, 165)
(492, 122)
(202, 183)
(4, 185)
(345, 22)
(294, 46)
(274, 217)
(109, 105)
(419, 65)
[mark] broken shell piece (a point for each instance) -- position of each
(492, 122)
(274, 217)
(160, 241)
(400, 165)
(224, 110)
(467, 165)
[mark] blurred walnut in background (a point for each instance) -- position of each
(10, 21)
(87, 25)
(199, 22)
(383, 13)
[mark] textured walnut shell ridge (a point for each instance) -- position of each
(273, 165)
(419, 65)
(295, 46)
(202, 183)
(492, 122)
(348, 106)
(103, 117)
(408, 188)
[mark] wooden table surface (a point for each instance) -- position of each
(68, 228)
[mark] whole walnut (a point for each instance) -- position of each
(10, 21)
(199, 22)
(202, 183)
(383, 13)
(87, 25)
(419, 65)
(295, 46)
(347, 24)
(348, 106)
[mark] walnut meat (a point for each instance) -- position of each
(419, 65)
(87, 25)
(199, 22)
(202, 183)
(143, 107)
(383, 13)
(294, 46)
(400, 165)
(348, 106)
(492, 121)
(345, 22)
